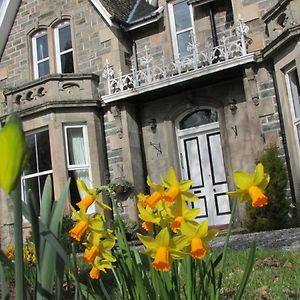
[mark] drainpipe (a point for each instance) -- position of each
(283, 135)
(213, 25)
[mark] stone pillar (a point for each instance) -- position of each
(132, 158)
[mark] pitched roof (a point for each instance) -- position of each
(119, 9)
(140, 11)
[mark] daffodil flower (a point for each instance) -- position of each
(163, 249)
(199, 237)
(177, 188)
(95, 223)
(91, 196)
(156, 196)
(181, 213)
(252, 186)
(148, 216)
(99, 265)
(13, 153)
(99, 244)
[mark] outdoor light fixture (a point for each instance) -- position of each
(153, 125)
(232, 106)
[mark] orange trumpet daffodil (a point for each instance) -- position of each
(163, 249)
(157, 194)
(177, 188)
(199, 237)
(252, 186)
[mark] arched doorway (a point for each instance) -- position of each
(201, 160)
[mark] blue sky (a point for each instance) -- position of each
(1, 2)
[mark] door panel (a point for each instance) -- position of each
(202, 162)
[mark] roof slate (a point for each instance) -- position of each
(119, 9)
(141, 10)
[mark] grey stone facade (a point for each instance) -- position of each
(122, 140)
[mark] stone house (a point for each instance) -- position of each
(112, 89)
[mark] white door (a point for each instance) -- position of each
(201, 159)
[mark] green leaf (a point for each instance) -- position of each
(247, 272)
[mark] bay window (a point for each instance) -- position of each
(39, 165)
(78, 162)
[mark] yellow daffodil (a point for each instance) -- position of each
(90, 198)
(181, 213)
(177, 188)
(157, 194)
(100, 265)
(198, 236)
(95, 223)
(13, 153)
(9, 251)
(142, 199)
(148, 216)
(163, 249)
(98, 245)
(252, 186)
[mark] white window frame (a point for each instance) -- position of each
(59, 53)
(35, 51)
(37, 174)
(296, 120)
(87, 165)
(174, 33)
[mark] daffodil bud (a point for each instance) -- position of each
(13, 153)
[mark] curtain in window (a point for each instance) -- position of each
(76, 147)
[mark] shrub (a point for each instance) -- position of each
(276, 214)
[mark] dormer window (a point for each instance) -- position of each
(182, 27)
(40, 54)
(52, 50)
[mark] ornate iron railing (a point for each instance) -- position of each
(150, 71)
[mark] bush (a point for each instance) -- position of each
(276, 214)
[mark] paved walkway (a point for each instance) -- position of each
(285, 239)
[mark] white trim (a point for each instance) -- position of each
(295, 120)
(104, 13)
(174, 33)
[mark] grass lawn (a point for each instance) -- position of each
(276, 274)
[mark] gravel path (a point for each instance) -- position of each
(285, 239)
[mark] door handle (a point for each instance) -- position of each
(214, 190)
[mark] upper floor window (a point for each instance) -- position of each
(182, 27)
(40, 54)
(63, 47)
(60, 59)
(39, 165)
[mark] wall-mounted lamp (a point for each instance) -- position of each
(153, 125)
(232, 106)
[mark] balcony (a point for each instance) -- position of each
(51, 91)
(231, 52)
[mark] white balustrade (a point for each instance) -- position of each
(150, 71)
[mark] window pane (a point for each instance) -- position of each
(76, 146)
(43, 68)
(65, 41)
(67, 63)
(182, 16)
(32, 185)
(200, 117)
(183, 40)
(75, 194)
(42, 47)
(44, 155)
(31, 166)
(295, 91)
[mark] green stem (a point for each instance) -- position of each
(18, 236)
(225, 247)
